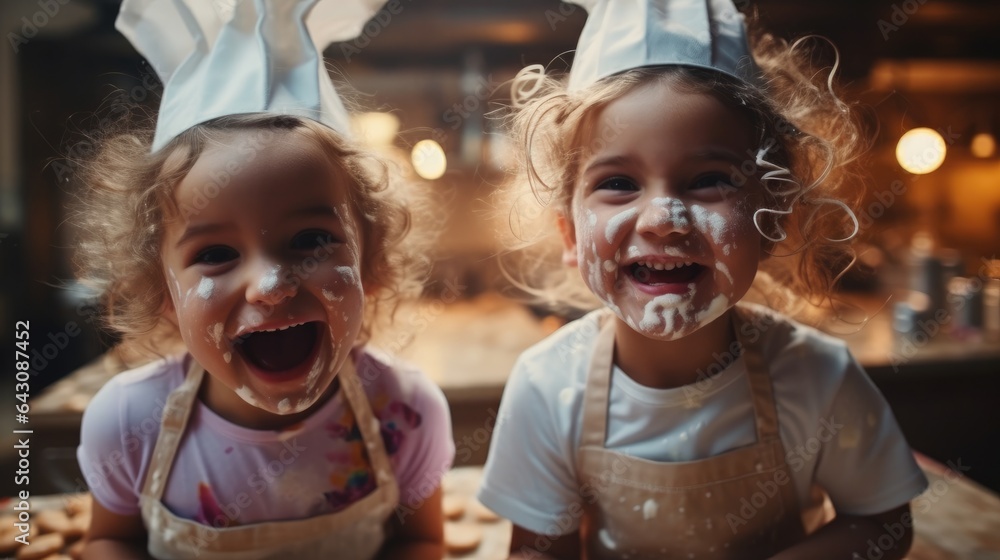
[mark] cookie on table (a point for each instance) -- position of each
(7, 543)
(76, 551)
(52, 521)
(452, 506)
(78, 504)
(483, 513)
(462, 538)
(42, 546)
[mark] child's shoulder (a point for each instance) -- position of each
(131, 402)
(793, 347)
(560, 359)
(144, 386)
(387, 378)
(782, 334)
(574, 337)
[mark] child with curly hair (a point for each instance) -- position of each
(250, 226)
(678, 420)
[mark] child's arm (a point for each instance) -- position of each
(112, 536)
(866, 467)
(851, 536)
(417, 533)
(527, 544)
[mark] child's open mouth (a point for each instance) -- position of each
(655, 274)
(280, 350)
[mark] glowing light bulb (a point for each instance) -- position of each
(428, 159)
(920, 151)
(376, 129)
(983, 145)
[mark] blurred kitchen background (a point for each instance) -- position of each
(429, 73)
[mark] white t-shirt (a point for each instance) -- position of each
(836, 428)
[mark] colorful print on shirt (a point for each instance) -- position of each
(209, 511)
(352, 477)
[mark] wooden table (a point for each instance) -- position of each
(955, 519)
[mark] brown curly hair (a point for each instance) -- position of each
(125, 194)
(812, 133)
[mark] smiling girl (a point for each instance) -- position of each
(676, 420)
(269, 244)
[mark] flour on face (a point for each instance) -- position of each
(330, 296)
(205, 288)
(269, 282)
(708, 222)
(615, 223)
(673, 213)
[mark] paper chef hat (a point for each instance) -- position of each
(242, 56)
(624, 34)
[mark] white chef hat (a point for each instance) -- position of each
(624, 34)
(242, 56)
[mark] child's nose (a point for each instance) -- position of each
(664, 216)
(270, 284)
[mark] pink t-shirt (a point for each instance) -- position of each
(228, 475)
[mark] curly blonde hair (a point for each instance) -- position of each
(126, 193)
(813, 140)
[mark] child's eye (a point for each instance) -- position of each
(311, 239)
(617, 184)
(216, 255)
(713, 180)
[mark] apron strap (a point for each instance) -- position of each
(759, 376)
(368, 424)
(175, 418)
(598, 388)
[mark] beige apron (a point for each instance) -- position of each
(740, 504)
(355, 532)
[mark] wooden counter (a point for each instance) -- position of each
(954, 519)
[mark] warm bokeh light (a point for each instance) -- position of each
(920, 151)
(375, 128)
(428, 159)
(983, 145)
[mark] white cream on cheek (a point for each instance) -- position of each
(205, 288)
(611, 232)
(348, 274)
(617, 221)
(589, 261)
(718, 306)
(247, 395)
(216, 332)
(711, 223)
(725, 270)
(177, 285)
(330, 296)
